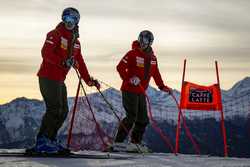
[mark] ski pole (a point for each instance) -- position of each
(154, 124)
(120, 121)
(97, 125)
(70, 54)
(73, 116)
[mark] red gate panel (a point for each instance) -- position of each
(197, 97)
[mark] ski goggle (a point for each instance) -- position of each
(70, 19)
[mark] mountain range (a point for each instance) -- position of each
(20, 120)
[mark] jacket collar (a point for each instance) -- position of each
(62, 29)
(136, 46)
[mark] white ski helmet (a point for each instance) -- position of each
(146, 39)
(70, 17)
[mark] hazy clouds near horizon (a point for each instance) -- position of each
(200, 31)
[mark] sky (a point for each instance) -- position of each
(199, 31)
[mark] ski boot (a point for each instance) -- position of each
(61, 149)
(137, 148)
(128, 147)
(44, 146)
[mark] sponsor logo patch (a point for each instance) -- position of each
(200, 96)
(64, 43)
(139, 62)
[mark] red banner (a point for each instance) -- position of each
(197, 97)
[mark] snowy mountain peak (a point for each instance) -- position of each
(20, 119)
(240, 87)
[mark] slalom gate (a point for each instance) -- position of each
(195, 100)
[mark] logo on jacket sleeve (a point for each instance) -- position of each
(125, 59)
(77, 46)
(64, 43)
(139, 62)
(153, 62)
(49, 40)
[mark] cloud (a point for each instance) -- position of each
(17, 67)
(224, 16)
(198, 30)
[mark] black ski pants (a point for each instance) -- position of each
(136, 117)
(54, 94)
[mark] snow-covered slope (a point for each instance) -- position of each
(149, 160)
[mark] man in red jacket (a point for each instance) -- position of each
(136, 69)
(60, 52)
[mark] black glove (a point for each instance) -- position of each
(94, 82)
(166, 89)
(68, 63)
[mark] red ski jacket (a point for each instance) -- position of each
(137, 63)
(55, 52)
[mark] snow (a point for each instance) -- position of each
(15, 122)
(240, 87)
(147, 160)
